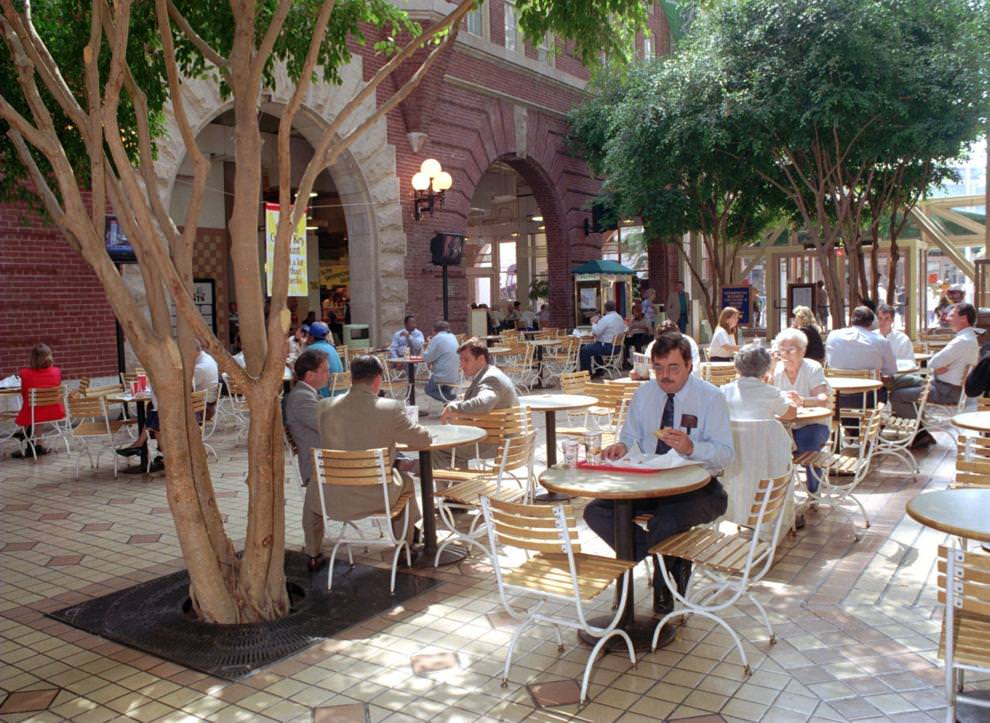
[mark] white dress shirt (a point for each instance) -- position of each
(749, 398)
(401, 339)
(719, 339)
(857, 348)
(441, 355)
(959, 353)
(900, 344)
(206, 375)
(712, 438)
(608, 327)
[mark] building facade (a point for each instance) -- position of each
(492, 111)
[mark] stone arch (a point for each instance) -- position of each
(365, 177)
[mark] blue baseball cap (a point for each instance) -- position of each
(318, 330)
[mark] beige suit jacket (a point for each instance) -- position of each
(360, 420)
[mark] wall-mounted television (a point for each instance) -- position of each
(118, 245)
(447, 249)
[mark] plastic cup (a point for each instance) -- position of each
(571, 447)
(412, 413)
(593, 447)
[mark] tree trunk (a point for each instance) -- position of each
(895, 257)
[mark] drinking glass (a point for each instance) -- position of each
(571, 447)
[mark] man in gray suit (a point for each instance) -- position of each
(302, 421)
(360, 419)
(490, 389)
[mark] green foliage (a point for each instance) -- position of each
(539, 289)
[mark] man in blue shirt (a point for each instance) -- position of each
(684, 413)
(441, 356)
(408, 337)
(317, 339)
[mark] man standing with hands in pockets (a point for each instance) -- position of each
(680, 412)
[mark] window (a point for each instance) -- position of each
(648, 47)
(475, 22)
(511, 28)
(543, 51)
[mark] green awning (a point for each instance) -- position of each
(602, 266)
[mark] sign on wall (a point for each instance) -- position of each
(205, 298)
(737, 297)
(298, 278)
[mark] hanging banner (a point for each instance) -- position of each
(298, 276)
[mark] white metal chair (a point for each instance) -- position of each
(733, 561)
(340, 383)
(938, 417)
(972, 462)
(504, 482)
(44, 397)
(555, 572)
(964, 645)
(89, 421)
(611, 364)
(200, 410)
(363, 468)
(897, 433)
(563, 360)
(854, 465)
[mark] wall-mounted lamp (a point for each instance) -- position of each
(428, 187)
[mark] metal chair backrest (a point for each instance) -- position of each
(344, 352)
(83, 407)
(340, 381)
(358, 468)
(534, 528)
(963, 587)
(498, 423)
(515, 452)
(717, 375)
(768, 501)
(45, 397)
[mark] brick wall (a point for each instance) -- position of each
(49, 294)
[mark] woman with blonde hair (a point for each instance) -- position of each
(804, 320)
(723, 345)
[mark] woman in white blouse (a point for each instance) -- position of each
(723, 344)
(749, 396)
(803, 381)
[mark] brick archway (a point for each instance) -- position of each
(365, 178)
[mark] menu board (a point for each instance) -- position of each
(737, 297)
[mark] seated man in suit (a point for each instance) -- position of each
(312, 370)
(490, 389)
(360, 419)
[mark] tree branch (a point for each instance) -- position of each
(193, 37)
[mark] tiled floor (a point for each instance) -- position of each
(857, 623)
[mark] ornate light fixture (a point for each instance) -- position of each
(428, 187)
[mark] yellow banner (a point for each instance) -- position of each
(298, 272)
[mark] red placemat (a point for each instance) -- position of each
(616, 468)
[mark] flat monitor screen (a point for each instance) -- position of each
(118, 245)
(447, 249)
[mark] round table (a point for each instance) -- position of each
(622, 489)
(410, 362)
(444, 436)
(809, 414)
(140, 402)
(499, 349)
(973, 421)
(962, 512)
(853, 385)
(551, 404)
(628, 380)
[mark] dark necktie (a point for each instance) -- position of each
(666, 422)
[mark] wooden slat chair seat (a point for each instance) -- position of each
(964, 643)
(734, 561)
(89, 421)
(972, 462)
(853, 465)
(574, 382)
(854, 373)
(717, 376)
(363, 468)
(611, 364)
(498, 424)
(555, 572)
(511, 480)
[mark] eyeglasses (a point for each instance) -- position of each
(788, 349)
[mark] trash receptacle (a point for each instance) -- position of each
(357, 336)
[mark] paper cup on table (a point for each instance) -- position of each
(571, 447)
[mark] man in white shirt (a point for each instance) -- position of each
(692, 418)
(605, 329)
(857, 347)
(441, 356)
(900, 343)
(206, 376)
(949, 365)
(408, 337)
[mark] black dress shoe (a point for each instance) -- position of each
(315, 563)
(128, 451)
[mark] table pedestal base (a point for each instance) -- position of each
(451, 555)
(640, 632)
(551, 497)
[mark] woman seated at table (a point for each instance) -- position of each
(803, 380)
(42, 374)
(804, 319)
(723, 344)
(749, 396)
